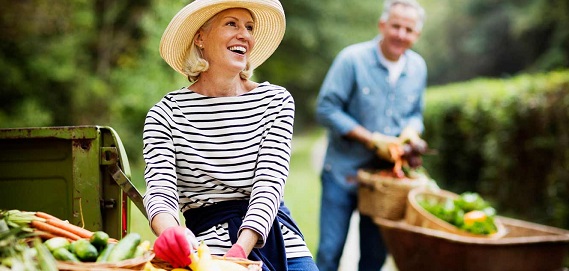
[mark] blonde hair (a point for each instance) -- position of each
(196, 64)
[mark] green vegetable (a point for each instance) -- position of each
(139, 251)
(63, 254)
(56, 242)
(71, 247)
(77, 243)
(85, 251)
(469, 201)
(452, 211)
(125, 248)
(446, 210)
(46, 260)
(104, 255)
(99, 239)
(15, 252)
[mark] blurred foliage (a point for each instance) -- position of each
(467, 39)
(87, 62)
(97, 62)
(507, 139)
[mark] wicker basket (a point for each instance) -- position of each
(385, 196)
(418, 216)
(250, 265)
(130, 264)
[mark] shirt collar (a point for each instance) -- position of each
(379, 55)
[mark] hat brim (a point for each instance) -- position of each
(270, 25)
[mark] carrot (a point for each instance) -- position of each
(81, 232)
(397, 154)
(55, 221)
(45, 227)
(43, 235)
(46, 216)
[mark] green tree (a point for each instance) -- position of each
(489, 38)
(56, 57)
(97, 62)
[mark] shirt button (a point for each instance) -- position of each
(391, 97)
(327, 167)
(365, 90)
(389, 112)
(387, 130)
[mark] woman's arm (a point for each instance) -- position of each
(161, 197)
(272, 167)
(162, 221)
(247, 240)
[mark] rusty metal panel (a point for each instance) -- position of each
(60, 170)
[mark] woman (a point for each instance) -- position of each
(219, 150)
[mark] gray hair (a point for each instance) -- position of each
(196, 64)
(389, 4)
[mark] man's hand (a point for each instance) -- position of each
(383, 145)
(411, 136)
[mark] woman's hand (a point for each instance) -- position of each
(174, 245)
(236, 251)
(245, 243)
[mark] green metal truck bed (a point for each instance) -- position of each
(72, 172)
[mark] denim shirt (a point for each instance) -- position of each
(356, 91)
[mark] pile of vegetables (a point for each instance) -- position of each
(97, 248)
(20, 246)
(31, 241)
(408, 158)
(468, 212)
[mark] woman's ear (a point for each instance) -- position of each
(198, 40)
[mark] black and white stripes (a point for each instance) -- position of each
(202, 150)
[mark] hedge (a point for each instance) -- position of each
(507, 139)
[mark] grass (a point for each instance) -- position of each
(302, 191)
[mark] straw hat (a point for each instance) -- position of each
(269, 28)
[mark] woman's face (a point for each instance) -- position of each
(228, 40)
(399, 31)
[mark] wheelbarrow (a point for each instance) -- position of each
(527, 246)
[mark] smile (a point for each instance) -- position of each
(238, 49)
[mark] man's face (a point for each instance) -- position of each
(399, 31)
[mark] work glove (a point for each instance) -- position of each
(411, 136)
(174, 245)
(385, 145)
(236, 251)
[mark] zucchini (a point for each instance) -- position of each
(104, 255)
(85, 251)
(62, 254)
(99, 239)
(125, 248)
(140, 249)
(75, 243)
(56, 242)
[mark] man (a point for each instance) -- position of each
(371, 97)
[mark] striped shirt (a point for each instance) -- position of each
(201, 150)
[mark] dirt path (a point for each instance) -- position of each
(351, 255)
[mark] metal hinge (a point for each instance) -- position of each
(110, 158)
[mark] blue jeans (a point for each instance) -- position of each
(301, 264)
(337, 207)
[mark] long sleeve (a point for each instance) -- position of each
(272, 167)
(202, 150)
(160, 172)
